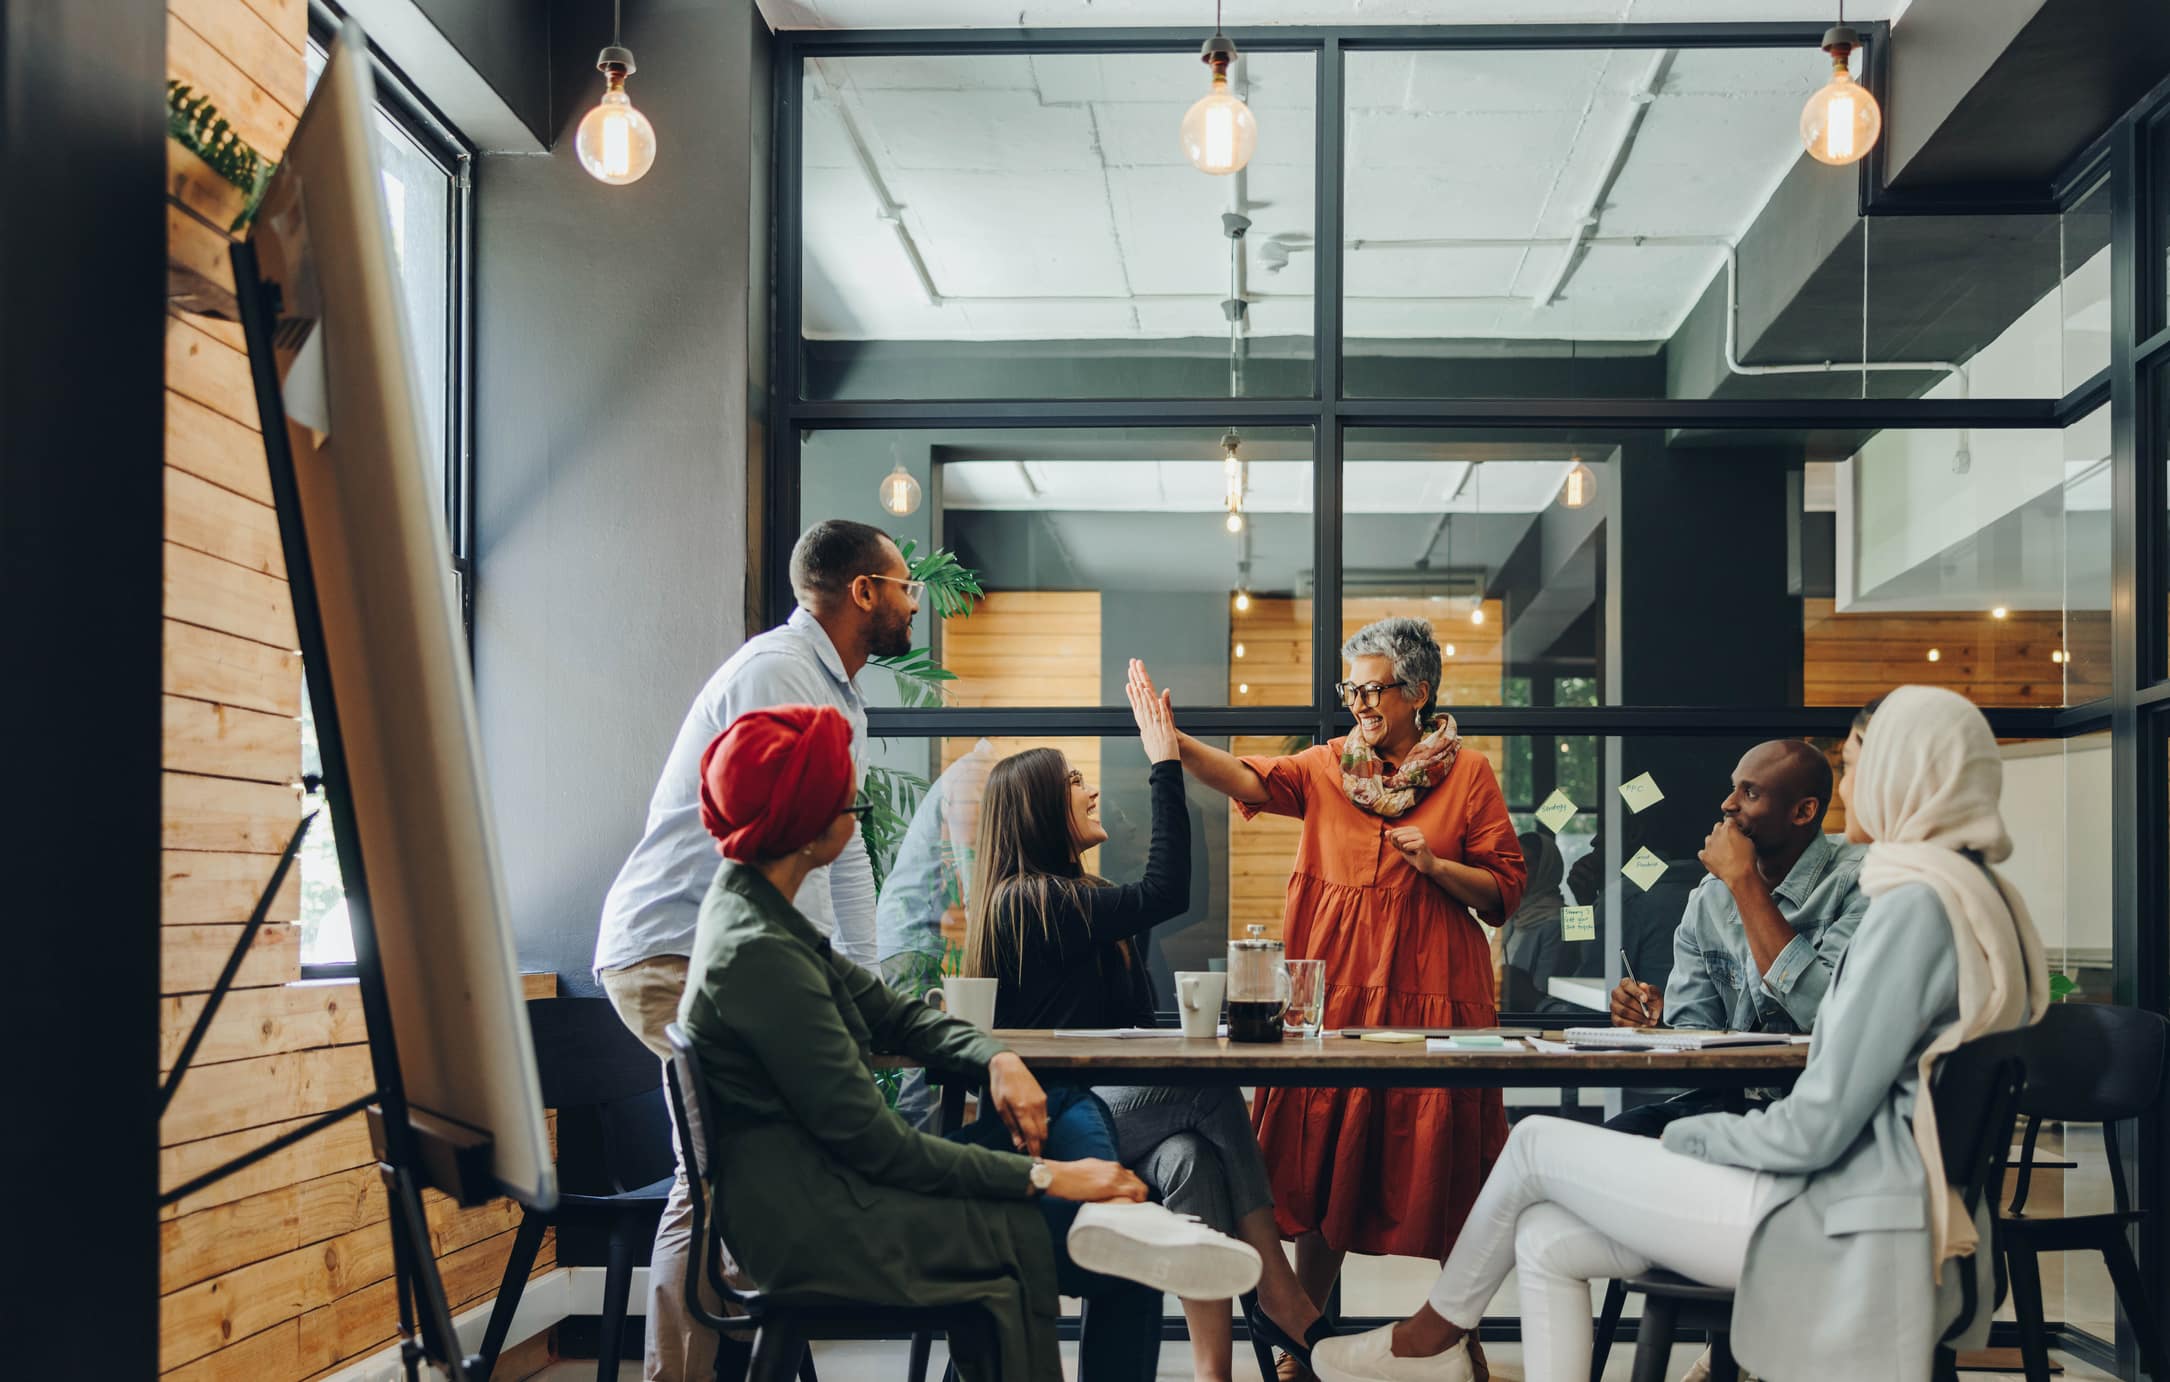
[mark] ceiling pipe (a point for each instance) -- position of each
(1644, 97)
(887, 209)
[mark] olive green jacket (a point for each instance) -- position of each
(822, 1189)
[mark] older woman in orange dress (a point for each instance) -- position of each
(1406, 842)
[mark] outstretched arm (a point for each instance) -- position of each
(1222, 771)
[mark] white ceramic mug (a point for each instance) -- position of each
(1198, 995)
(967, 1000)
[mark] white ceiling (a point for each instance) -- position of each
(1047, 198)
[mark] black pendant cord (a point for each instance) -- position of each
(617, 22)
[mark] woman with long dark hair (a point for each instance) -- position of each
(1067, 948)
(822, 1190)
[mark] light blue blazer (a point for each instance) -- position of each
(1838, 1281)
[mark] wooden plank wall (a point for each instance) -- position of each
(284, 1271)
(1848, 658)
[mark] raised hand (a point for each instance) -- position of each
(1155, 715)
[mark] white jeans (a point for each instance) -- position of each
(1568, 1204)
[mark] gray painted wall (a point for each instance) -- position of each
(611, 481)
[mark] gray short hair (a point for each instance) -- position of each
(1408, 643)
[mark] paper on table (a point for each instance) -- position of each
(1557, 811)
(1474, 1042)
(1641, 794)
(1554, 1048)
(1578, 924)
(1396, 1037)
(1644, 869)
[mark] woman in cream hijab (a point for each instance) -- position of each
(1827, 1212)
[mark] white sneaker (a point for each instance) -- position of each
(1370, 1358)
(1171, 1252)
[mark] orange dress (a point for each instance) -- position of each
(1387, 1171)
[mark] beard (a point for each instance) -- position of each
(892, 635)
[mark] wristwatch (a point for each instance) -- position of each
(1043, 1175)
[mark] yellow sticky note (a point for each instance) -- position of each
(1579, 923)
(1641, 794)
(1556, 812)
(1643, 870)
(1392, 1036)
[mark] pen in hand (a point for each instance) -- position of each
(1629, 970)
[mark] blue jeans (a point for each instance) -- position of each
(1120, 1335)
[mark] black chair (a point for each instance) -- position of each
(611, 1115)
(2099, 1064)
(1976, 1091)
(781, 1326)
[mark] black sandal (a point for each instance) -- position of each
(1262, 1326)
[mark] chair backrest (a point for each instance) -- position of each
(614, 1129)
(2096, 1064)
(1976, 1091)
(694, 1112)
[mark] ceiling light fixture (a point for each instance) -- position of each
(615, 142)
(1936, 654)
(1219, 132)
(1232, 479)
(1239, 650)
(1243, 601)
(2000, 612)
(900, 491)
(1448, 650)
(2057, 655)
(1840, 123)
(1580, 487)
(1243, 688)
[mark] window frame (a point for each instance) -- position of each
(400, 101)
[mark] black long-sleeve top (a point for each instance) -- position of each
(1085, 968)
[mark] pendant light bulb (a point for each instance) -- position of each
(1476, 614)
(900, 492)
(1235, 520)
(1243, 601)
(1840, 123)
(1219, 132)
(1579, 488)
(616, 143)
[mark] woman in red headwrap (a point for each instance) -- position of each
(821, 1189)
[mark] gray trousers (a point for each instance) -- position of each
(1194, 1147)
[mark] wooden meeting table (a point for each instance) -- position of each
(1340, 1061)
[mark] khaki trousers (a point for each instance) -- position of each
(679, 1349)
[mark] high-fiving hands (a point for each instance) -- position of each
(1155, 713)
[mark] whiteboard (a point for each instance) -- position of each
(393, 649)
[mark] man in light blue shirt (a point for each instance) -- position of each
(856, 602)
(1761, 937)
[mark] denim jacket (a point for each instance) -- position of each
(1715, 985)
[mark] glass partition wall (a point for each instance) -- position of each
(1552, 337)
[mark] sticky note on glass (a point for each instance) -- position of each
(1643, 870)
(1580, 923)
(1641, 794)
(1556, 812)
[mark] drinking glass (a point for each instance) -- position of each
(1306, 1011)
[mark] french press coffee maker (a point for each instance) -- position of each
(1257, 987)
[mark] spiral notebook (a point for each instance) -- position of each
(1664, 1039)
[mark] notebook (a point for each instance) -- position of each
(1664, 1039)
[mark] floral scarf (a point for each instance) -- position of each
(1389, 794)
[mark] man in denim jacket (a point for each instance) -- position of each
(1761, 937)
